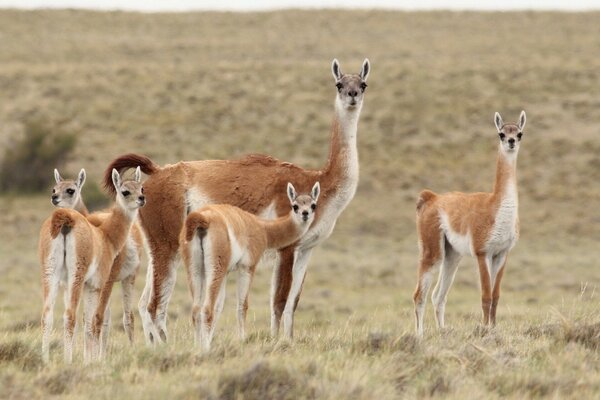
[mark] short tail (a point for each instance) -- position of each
(126, 162)
(62, 221)
(424, 197)
(196, 221)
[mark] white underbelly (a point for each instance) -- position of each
(461, 243)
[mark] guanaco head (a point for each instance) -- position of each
(66, 193)
(350, 88)
(510, 134)
(130, 194)
(304, 205)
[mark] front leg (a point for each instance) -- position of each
(484, 262)
(301, 258)
(498, 265)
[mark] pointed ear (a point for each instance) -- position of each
(366, 68)
(316, 190)
(498, 121)
(522, 120)
(291, 192)
(138, 174)
(116, 178)
(81, 178)
(336, 70)
(57, 177)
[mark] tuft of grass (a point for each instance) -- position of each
(61, 381)
(262, 381)
(20, 354)
(585, 334)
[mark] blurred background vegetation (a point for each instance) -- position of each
(219, 85)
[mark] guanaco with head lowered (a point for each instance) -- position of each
(66, 193)
(80, 255)
(221, 238)
(484, 225)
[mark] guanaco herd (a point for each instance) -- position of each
(224, 215)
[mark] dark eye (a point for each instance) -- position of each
(142, 190)
(70, 192)
(295, 207)
(313, 206)
(53, 191)
(502, 136)
(339, 86)
(125, 193)
(519, 135)
(363, 86)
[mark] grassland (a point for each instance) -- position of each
(219, 85)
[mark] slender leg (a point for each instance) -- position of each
(162, 288)
(50, 284)
(74, 288)
(149, 329)
(280, 287)
(243, 287)
(128, 319)
(105, 330)
(498, 263)
(101, 319)
(193, 258)
(484, 262)
(445, 279)
(91, 298)
(298, 273)
(215, 294)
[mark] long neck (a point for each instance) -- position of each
(283, 231)
(116, 227)
(506, 174)
(343, 154)
(80, 206)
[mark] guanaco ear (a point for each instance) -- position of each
(57, 177)
(116, 178)
(366, 68)
(498, 121)
(336, 70)
(138, 174)
(316, 190)
(81, 178)
(291, 192)
(522, 120)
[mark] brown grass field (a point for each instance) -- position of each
(219, 85)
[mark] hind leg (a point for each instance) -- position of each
(243, 287)
(148, 326)
(213, 303)
(431, 256)
(163, 281)
(193, 259)
(74, 288)
(91, 298)
(446, 278)
(50, 284)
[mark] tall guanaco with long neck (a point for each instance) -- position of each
(66, 193)
(80, 254)
(483, 225)
(255, 183)
(220, 238)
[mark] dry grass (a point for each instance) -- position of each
(218, 85)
